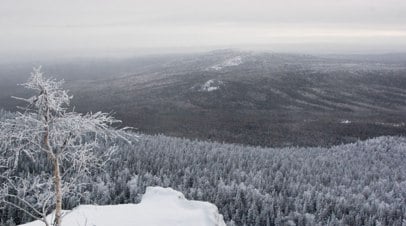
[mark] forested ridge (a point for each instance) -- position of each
(363, 183)
(259, 99)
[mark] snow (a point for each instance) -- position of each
(211, 85)
(390, 124)
(158, 207)
(235, 61)
(345, 121)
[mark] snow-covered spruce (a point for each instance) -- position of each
(159, 207)
(363, 183)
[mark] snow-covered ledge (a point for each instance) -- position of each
(158, 207)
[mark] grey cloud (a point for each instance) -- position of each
(80, 25)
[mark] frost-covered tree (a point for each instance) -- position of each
(59, 142)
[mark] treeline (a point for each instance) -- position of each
(363, 183)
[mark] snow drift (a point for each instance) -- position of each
(159, 207)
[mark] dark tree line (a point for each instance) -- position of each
(363, 183)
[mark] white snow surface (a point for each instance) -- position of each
(211, 85)
(235, 61)
(158, 207)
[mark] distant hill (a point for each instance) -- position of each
(266, 99)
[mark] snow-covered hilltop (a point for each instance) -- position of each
(159, 207)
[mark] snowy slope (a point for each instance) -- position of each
(159, 207)
(235, 61)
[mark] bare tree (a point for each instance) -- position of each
(46, 129)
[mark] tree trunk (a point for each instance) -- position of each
(54, 158)
(57, 180)
(58, 194)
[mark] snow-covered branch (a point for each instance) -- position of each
(66, 140)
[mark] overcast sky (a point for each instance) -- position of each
(86, 27)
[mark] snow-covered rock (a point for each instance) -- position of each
(211, 85)
(158, 207)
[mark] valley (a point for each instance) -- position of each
(254, 98)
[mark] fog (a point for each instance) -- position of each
(80, 28)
